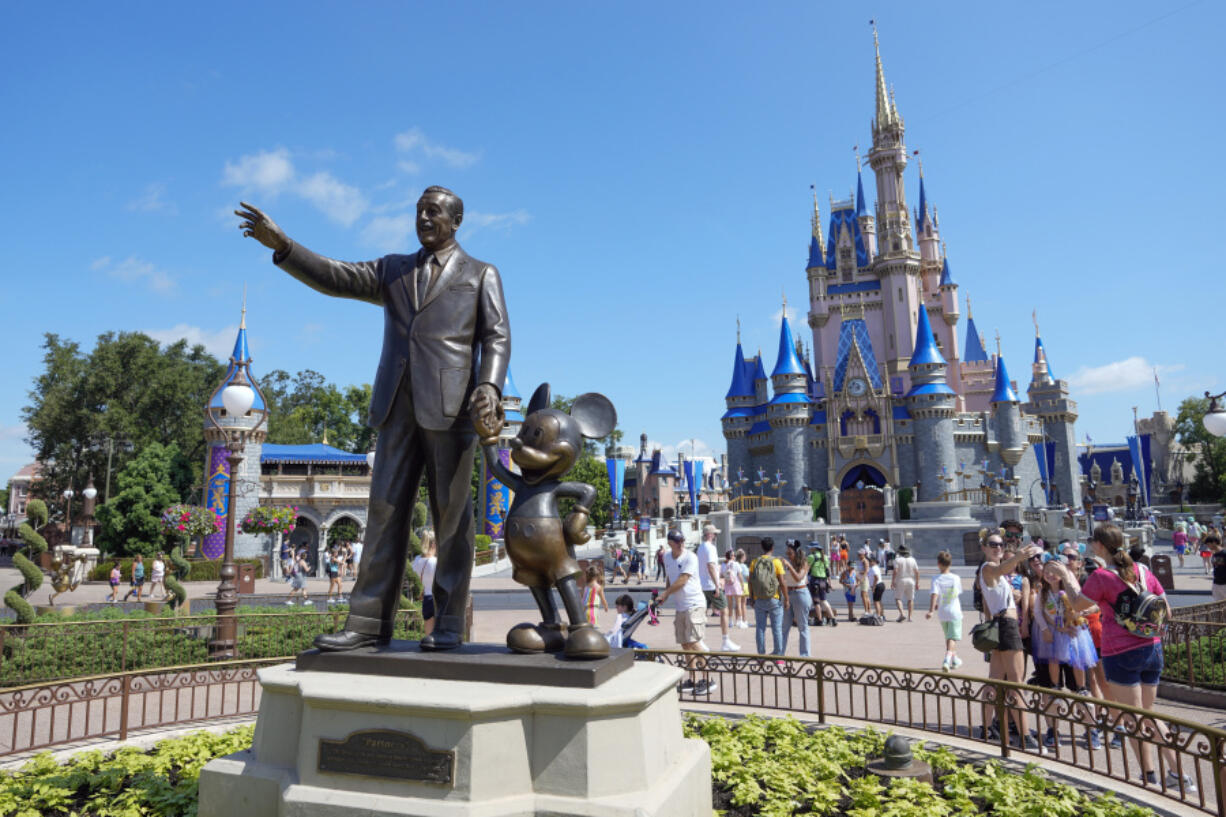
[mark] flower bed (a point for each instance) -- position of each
(777, 767)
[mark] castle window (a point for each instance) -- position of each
(900, 294)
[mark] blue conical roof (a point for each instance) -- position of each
(240, 357)
(788, 361)
(974, 346)
(859, 193)
(759, 369)
(926, 351)
(946, 278)
(923, 210)
(1004, 389)
(240, 352)
(1038, 344)
(741, 386)
(815, 254)
(508, 386)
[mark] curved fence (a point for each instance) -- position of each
(1194, 646)
(1087, 734)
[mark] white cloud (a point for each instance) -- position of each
(1121, 375)
(407, 166)
(133, 270)
(414, 140)
(692, 449)
(151, 201)
(218, 343)
(389, 233)
(272, 172)
(340, 202)
(268, 172)
(476, 220)
(17, 432)
(777, 317)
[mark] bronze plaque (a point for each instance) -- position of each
(387, 753)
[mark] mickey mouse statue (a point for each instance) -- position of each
(540, 545)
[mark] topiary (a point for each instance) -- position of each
(31, 574)
(419, 521)
(181, 567)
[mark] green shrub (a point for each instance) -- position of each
(778, 767)
(1208, 654)
(26, 561)
(199, 570)
(483, 542)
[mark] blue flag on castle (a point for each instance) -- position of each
(1138, 466)
(693, 479)
(617, 480)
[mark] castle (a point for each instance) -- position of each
(889, 399)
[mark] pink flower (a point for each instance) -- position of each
(183, 527)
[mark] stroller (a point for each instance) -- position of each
(622, 636)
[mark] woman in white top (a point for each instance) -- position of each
(800, 601)
(424, 566)
(906, 579)
(1008, 662)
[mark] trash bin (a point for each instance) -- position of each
(246, 578)
(1161, 566)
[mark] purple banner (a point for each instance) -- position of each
(216, 488)
(497, 498)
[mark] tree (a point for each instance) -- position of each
(342, 530)
(305, 407)
(1209, 483)
(131, 522)
(127, 387)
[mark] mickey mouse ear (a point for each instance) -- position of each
(595, 415)
(540, 399)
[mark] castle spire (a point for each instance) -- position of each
(860, 208)
(975, 352)
(1039, 350)
(926, 350)
(885, 110)
(817, 247)
(1003, 393)
(922, 217)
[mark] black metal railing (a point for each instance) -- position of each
(1085, 733)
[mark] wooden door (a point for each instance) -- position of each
(861, 507)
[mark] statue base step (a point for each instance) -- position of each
(330, 743)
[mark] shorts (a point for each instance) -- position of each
(138, 582)
(1205, 554)
(427, 608)
(690, 626)
(818, 588)
(1179, 549)
(879, 591)
(850, 596)
(1010, 635)
(1140, 666)
(952, 629)
(298, 582)
(906, 590)
(716, 599)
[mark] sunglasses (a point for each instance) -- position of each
(1012, 535)
(994, 545)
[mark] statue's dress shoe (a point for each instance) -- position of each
(536, 638)
(441, 640)
(347, 640)
(585, 643)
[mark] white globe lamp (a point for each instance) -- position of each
(237, 398)
(1215, 418)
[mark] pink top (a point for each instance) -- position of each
(1104, 587)
(1179, 538)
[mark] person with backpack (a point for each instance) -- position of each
(819, 586)
(1134, 610)
(769, 601)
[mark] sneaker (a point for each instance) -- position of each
(834, 622)
(1084, 691)
(945, 665)
(729, 646)
(957, 662)
(289, 603)
(1049, 740)
(686, 686)
(1094, 738)
(705, 687)
(901, 618)
(1117, 738)
(1185, 783)
(1030, 745)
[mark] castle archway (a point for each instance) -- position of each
(861, 498)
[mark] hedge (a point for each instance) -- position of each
(201, 569)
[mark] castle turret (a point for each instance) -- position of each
(926, 233)
(788, 414)
(217, 465)
(497, 496)
(868, 225)
(932, 405)
(1049, 401)
(1007, 412)
(816, 272)
(739, 416)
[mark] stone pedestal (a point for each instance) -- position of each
(329, 742)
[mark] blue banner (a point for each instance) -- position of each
(1138, 464)
(617, 480)
(1040, 456)
(693, 480)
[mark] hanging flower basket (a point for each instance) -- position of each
(187, 522)
(270, 519)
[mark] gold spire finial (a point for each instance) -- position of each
(919, 160)
(242, 324)
(885, 114)
(785, 304)
(738, 330)
(856, 150)
(969, 316)
(1034, 316)
(998, 343)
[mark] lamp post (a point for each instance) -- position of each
(90, 493)
(111, 443)
(68, 494)
(237, 397)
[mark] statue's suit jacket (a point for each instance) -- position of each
(456, 339)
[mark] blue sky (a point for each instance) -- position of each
(638, 171)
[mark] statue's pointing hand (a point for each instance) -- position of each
(262, 228)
